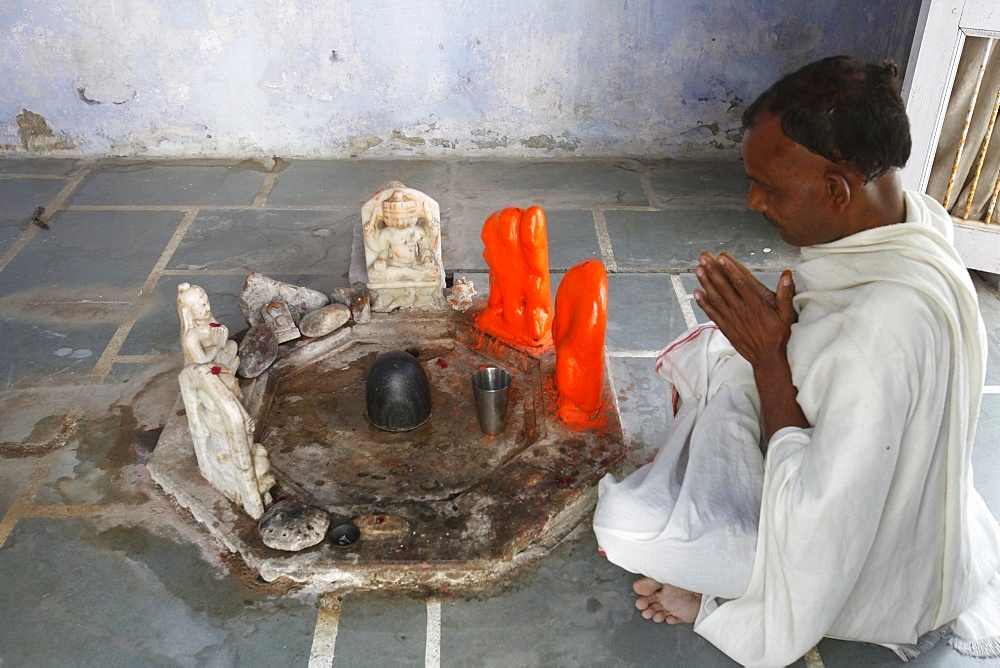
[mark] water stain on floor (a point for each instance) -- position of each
(69, 306)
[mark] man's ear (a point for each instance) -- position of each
(837, 188)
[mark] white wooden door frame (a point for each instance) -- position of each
(941, 30)
(937, 46)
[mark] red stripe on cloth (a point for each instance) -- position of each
(676, 344)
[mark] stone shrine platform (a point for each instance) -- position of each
(442, 507)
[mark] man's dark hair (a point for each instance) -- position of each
(848, 111)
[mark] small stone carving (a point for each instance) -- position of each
(258, 350)
(292, 526)
(222, 433)
(358, 298)
(462, 292)
(203, 338)
(259, 290)
(403, 254)
(277, 314)
(324, 320)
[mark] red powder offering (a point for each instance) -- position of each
(215, 324)
(216, 370)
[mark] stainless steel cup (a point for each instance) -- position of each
(491, 388)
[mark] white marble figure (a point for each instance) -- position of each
(203, 339)
(222, 432)
(403, 254)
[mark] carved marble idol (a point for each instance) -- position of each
(221, 429)
(203, 339)
(223, 432)
(402, 237)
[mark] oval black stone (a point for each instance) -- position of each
(397, 392)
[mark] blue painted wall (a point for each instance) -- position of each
(330, 78)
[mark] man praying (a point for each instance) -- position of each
(816, 478)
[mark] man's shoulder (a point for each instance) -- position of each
(872, 297)
(869, 315)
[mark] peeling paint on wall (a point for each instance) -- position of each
(398, 135)
(36, 135)
(488, 139)
(361, 144)
(547, 142)
(456, 77)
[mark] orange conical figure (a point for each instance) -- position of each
(517, 252)
(578, 331)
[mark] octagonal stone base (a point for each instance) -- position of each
(441, 507)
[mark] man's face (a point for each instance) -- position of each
(787, 185)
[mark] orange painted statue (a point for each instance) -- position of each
(520, 303)
(578, 332)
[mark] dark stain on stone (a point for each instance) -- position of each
(69, 306)
(262, 167)
(110, 445)
(38, 218)
(117, 432)
(636, 166)
(82, 92)
(182, 571)
(146, 442)
(45, 428)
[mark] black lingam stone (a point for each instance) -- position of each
(397, 392)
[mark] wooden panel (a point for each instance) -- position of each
(937, 46)
(981, 16)
(979, 245)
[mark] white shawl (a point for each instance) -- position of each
(870, 528)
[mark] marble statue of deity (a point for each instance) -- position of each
(203, 338)
(402, 238)
(223, 436)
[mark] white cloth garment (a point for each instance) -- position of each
(869, 526)
(690, 517)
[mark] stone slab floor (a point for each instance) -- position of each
(99, 568)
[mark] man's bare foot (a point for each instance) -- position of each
(665, 603)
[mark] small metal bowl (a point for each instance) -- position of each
(343, 535)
